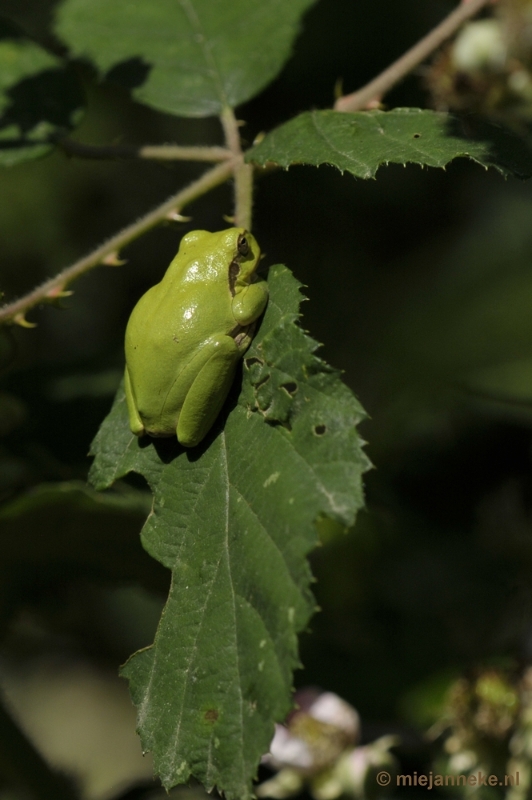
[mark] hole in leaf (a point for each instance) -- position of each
(253, 360)
(264, 409)
(290, 388)
(319, 430)
(417, 136)
(262, 382)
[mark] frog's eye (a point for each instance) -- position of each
(243, 245)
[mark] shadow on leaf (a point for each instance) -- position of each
(167, 447)
(51, 96)
(129, 74)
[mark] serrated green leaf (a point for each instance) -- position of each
(234, 520)
(190, 57)
(362, 142)
(39, 98)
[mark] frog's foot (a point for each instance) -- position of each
(243, 336)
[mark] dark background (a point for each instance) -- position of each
(420, 288)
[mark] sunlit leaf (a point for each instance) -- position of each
(191, 57)
(360, 143)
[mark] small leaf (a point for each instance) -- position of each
(362, 142)
(186, 57)
(39, 98)
(234, 520)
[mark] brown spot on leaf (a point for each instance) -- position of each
(211, 715)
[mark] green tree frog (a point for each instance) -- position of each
(187, 334)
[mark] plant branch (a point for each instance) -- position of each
(107, 253)
(165, 152)
(243, 172)
(377, 88)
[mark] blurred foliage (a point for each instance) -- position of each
(481, 732)
(487, 68)
(420, 287)
(40, 98)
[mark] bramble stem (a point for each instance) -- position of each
(52, 289)
(232, 160)
(243, 173)
(373, 92)
(243, 195)
(164, 152)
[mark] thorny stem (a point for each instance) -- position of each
(53, 288)
(243, 173)
(232, 164)
(165, 152)
(371, 94)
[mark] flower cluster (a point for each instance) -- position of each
(318, 749)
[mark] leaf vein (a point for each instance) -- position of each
(320, 133)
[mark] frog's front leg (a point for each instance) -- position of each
(207, 393)
(249, 302)
(135, 422)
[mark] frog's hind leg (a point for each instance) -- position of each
(207, 394)
(135, 422)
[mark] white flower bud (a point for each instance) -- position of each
(331, 709)
(480, 46)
